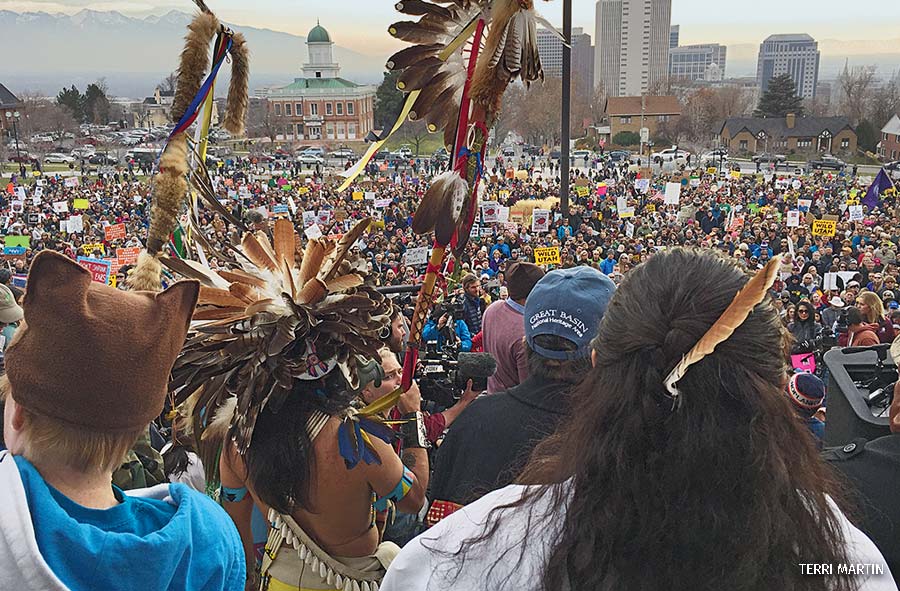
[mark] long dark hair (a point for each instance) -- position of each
(280, 458)
(727, 491)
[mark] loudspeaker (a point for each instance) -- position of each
(849, 416)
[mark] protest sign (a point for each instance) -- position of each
(92, 247)
(416, 256)
(490, 211)
(292, 205)
(369, 195)
(98, 268)
(582, 191)
(540, 220)
(642, 185)
(323, 217)
(358, 195)
(305, 190)
(602, 188)
(14, 251)
(503, 214)
(383, 202)
(856, 213)
(804, 204)
(71, 181)
(629, 229)
(81, 204)
(712, 170)
(127, 256)
(824, 227)
(504, 194)
(313, 232)
(793, 218)
(796, 184)
(735, 174)
(673, 193)
(114, 232)
(281, 209)
(581, 182)
(309, 218)
(24, 241)
(546, 256)
(17, 206)
(60, 206)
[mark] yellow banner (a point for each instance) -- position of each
(81, 204)
(358, 195)
(712, 170)
(546, 256)
(582, 191)
(824, 228)
(735, 174)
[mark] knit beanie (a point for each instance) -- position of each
(521, 278)
(806, 392)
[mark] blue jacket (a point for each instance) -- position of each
(607, 266)
(431, 333)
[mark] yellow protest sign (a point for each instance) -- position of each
(582, 191)
(305, 190)
(357, 195)
(735, 174)
(504, 194)
(80, 204)
(852, 201)
(650, 207)
(36, 173)
(712, 170)
(93, 247)
(546, 256)
(824, 227)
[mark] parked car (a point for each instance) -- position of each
(310, 159)
(555, 153)
(785, 168)
(102, 159)
(319, 152)
(714, 157)
(23, 158)
(826, 162)
(441, 155)
(508, 152)
(57, 158)
(670, 155)
(342, 153)
(766, 158)
(581, 155)
(618, 155)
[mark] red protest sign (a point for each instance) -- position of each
(99, 269)
(127, 256)
(115, 232)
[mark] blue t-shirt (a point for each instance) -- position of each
(139, 544)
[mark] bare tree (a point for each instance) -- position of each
(168, 83)
(263, 122)
(415, 133)
(885, 102)
(856, 88)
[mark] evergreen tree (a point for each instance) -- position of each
(71, 99)
(95, 105)
(780, 99)
(388, 101)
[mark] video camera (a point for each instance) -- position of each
(442, 375)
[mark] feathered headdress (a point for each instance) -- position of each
(170, 185)
(282, 316)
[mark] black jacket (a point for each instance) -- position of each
(874, 469)
(490, 442)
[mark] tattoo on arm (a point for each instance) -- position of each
(409, 459)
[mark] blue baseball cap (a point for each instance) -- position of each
(568, 303)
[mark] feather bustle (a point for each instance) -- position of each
(257, 253)
(312, 261)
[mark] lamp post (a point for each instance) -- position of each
(13, 116)
(565, 112)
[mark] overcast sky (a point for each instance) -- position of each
(361, 24)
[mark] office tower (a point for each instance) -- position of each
(698, 62)
(550, 49)
(674, 34)
(795, 54)
(632, 45)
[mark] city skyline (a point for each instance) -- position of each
(364, 28)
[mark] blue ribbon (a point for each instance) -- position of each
(465, 152)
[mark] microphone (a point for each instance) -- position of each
(477, 367)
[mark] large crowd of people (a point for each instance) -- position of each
(570, 468)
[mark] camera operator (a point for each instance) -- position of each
(488, 446)
(874, 469)
(411, 400)
(447, 329)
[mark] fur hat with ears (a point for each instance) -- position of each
(91, 355)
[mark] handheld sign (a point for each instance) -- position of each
(546, 256)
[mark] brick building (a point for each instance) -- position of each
(321, 108)
(9, 103)
(624, 113)
(831, 135)
(889, 147)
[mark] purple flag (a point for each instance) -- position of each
(873, 196)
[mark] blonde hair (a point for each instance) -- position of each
(46, 440)
(876, 308)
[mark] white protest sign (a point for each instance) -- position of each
(503, 214)
(382, 202)
(72, 181)
(292, 205)
(629, 229)
(490, 210)
(416, 256)
(76, 225)
(60, 206)
(309, 218)
(20, 193)
(63, 226)
(793, 218)
(856, 213)
(796, 184)
(313, 231)
(370, 195)
(804, 204)
(39, 192)
(18, 206)
(642, 185)
(540, 220)
(673, 193)
(323, 217)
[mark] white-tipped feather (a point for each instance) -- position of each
(222, 420)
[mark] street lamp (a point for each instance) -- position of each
(13, 116)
